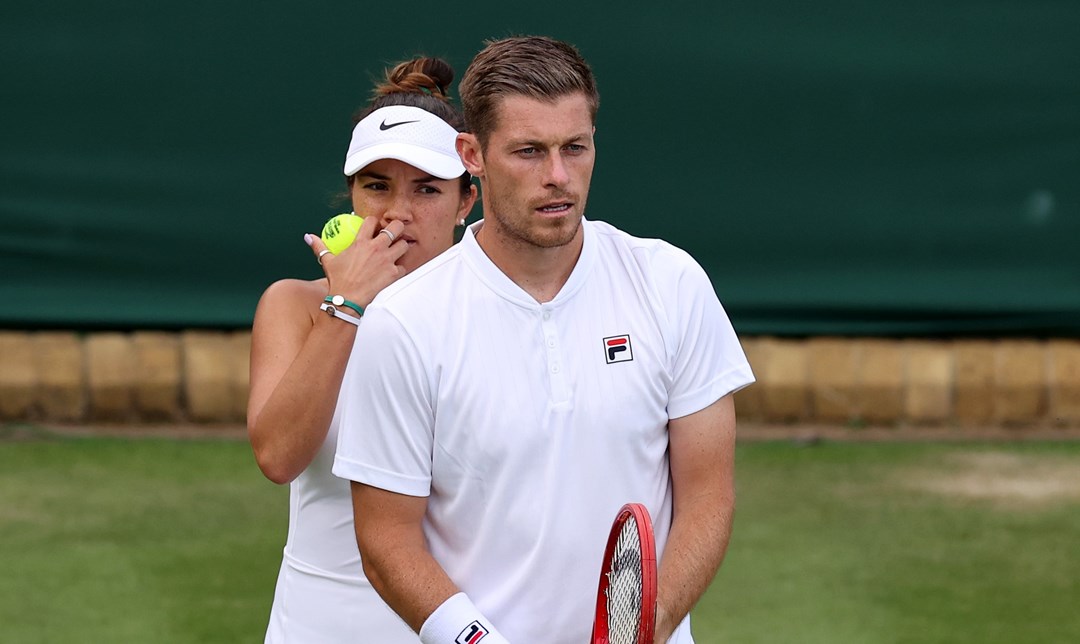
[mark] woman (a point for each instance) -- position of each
(405, 179)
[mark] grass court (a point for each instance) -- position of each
(168, 541)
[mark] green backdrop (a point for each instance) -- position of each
(841, 167)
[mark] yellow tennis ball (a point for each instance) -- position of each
(339, 233)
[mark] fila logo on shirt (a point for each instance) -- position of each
(617, 349)
(472, 634)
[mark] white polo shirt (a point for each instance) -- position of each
(528, 425)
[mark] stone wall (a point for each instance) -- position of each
(882, 382)
(145, 376)
(202, 377)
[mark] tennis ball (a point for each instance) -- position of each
(339, 233)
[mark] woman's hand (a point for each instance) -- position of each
(367, 266)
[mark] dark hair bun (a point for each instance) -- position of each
(431, 76)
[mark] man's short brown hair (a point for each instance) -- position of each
(534, 66)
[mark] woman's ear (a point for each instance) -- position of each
(468, 148)
(468, 199)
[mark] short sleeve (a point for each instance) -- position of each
(708, 361)
(385, 433)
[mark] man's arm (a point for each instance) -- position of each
(389, 531)
(702, 452)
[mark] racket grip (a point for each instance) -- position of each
(459, 620)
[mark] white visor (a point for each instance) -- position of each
(407, 134)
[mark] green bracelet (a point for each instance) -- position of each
(338, 300)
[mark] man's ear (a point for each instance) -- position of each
(468, 148)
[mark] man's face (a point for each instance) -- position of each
(536, 169)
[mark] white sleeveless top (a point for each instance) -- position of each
(322, 595)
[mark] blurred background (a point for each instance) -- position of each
(885, 195)
(842, 169)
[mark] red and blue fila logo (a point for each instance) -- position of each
(617, 349)
(472, 634)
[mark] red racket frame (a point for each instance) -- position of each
(647, 627)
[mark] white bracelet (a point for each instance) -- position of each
(458, 620)
(334, 311)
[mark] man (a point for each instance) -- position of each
(520, 388)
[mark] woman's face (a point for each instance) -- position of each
(428, 207)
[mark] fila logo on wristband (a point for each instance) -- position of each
(472, 634)
(617, 349)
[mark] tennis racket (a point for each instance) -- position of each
(626, 598)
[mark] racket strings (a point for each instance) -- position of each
(624, 592)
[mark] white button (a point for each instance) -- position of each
(554, 368)
(551, 342)
(547, 315)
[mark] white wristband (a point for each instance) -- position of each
(339, 314)
(458, 621)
